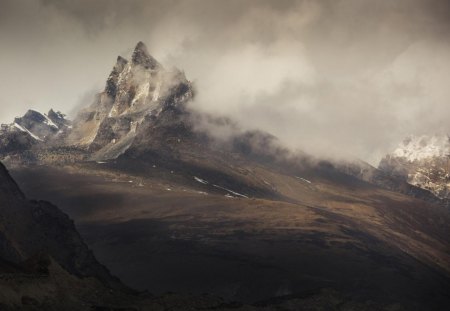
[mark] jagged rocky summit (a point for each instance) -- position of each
(137, 93)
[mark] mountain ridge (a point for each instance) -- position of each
(142, 111)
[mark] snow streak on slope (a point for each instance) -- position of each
(26, 131)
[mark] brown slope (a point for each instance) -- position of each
(166, 231)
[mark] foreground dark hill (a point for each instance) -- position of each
(44, 264)
(30, 227)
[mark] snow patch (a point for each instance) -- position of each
(49, 122)
(200, 180)
(303, 179)
(231, 191)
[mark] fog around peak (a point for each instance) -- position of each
(333, 78)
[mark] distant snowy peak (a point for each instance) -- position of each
(416, 148)
(37, 125)
(30, 130)
(423, 161)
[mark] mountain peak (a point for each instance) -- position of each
(121, 61)
(142, 57)
(141, 46)
(33, 116)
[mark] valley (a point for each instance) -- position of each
(315, 235)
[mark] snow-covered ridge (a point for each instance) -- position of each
(422, 147)
(38, 126)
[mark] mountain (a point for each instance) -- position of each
(168, 206)
(137, 92)
(422, 161)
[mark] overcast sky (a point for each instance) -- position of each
(330, 77)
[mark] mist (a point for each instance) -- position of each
(332, 78)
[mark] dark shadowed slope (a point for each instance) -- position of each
(30, 227)
(169, 229)
(44, 264)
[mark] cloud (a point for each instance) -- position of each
(332, 77)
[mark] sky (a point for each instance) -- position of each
(329, 77)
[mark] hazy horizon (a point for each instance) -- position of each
(333, 78)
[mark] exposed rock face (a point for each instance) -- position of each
(111, 83)
(136, 92)
(423, 162)
(13, 140)
(31, 227)
(59, 119)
